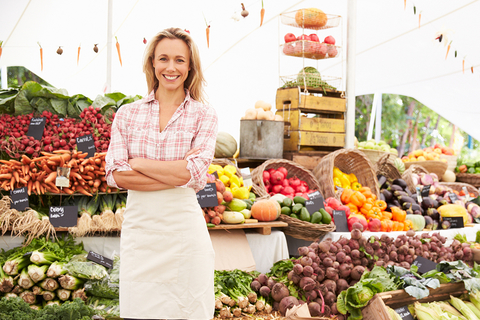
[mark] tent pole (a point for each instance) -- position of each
(108, 85)
(372, 116)
(378, 119)
(351, 50)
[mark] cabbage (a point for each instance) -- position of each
(311, 76)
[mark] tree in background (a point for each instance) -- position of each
(407, 124)
(17, 76)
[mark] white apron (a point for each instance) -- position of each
(167, 258)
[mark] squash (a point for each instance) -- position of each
(270, 115)
(233, 217)
(260, 104)
(449, 176)
(278, 117)
(261, 115)
(311, 18)
(418, 221)
(266, 210)
(250, 114)
(225, 146)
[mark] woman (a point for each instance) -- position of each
(160, 150)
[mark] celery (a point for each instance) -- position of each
(48, 295)
(6, 282)
(56, 270)
(24, 280)
(63, 294)
(37, 273)
(12, 267)
(70, 283)
(28, 297)
(38, 257)
(49, 284)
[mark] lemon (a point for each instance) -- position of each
(225, 180)
(235, 180)
(241, 193)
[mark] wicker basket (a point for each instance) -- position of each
(385, 167)
(407, 176)
(458, 186)
(305, 230)
(294, 169)
(451, 161)
(470, 178)
(375, 155)
(348, 161)
(432, 166)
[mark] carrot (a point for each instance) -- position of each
(83, 191)
(448, 49)
(29, 187)
(41, 56)
(51, 177)
(471, 68)
(262, 14)
(97, 183)
(419, 18)
(118, 50)
(6, 176)
(12, 183)
(208, 36)
(16, 176)
(78, 54)
(404, 4)
(463, 65)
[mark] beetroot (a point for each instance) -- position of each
(357, 272)
(331, 273)
(287, 303)
(306, 261)
(262, 278)
(353, 244)
(264, 291)
(324, 246)
(314, 309)
(311, 295)
(320, 274)
(356, 233)
(347, 249)
(328, 262)
(298, 268)
(344, 270)
(341, 256)
(308, 271)
(330, 285)
(303, 251)
(280, 291)
(271, 283)
(330, 298)
(255, 285)
(342, 285)
(307, 284)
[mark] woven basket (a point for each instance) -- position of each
(407, 176)
(348, 161)
(305, 230)
(470, 178)
(451, 162)
(375, 155)
(294, 169)
(385, 167)
(432, 166)
(458, 186)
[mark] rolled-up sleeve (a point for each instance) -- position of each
(117, 155)
(205, 139)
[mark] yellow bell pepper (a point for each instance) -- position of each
(235, 180)
(453, 210)
(336, 182)
(352, 177)
(233, 186)
(229, 170)
(241, 193)
(225, 180)
(337, 172)
(356, 186)
(344, 181)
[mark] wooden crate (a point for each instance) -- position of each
(308, 159)
(311, 120)
(375, 310)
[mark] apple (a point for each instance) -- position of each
(321, 50)
(361, 145)
(374, 225)
(329, 40)
(288, 49)
(394, 151)
(314, 37)
(369, 145)
(385, 148)
(289, 37)
(381, 142)
(303, 37)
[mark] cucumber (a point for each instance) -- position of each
(296, 208)
(286, 210)
(249, 203)
(299, 199)
(287, 202)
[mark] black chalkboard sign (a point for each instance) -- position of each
(86, 144)
(207, 197)
(426, 191)
(424, 265)
(341, 224)
(315, 203)
(63, 216)
(455, 222)
(36, 127)
(101, 260)
(404, 313)
(19, 198)
(453, 197)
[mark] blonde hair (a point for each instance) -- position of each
(195, 80)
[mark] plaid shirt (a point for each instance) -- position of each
(136, 134)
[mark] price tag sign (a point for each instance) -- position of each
(426, 191)
(315, 203)
(340, 218)
(453, 197)
(19, 198)
(101, 260)
(207, 197)
(419, 195)
(63, 177)
(86, 144)
(36, 127)
(63, 216)
(424, 265)
(455, 222)
(404, 313)
(247, 177)
(215, 174)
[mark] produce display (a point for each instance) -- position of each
(428, 154)
(275, 181)
(309, 46)
(230, 179)
(469, 167)
(308, 76)
(381, 145)
(297, 209)
(262, 111)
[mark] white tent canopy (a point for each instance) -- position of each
(243, 63)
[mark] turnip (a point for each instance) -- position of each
(314, 309)
(357, 272)
(287, 303)
(280, 291)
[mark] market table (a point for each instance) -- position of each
(265, 249)
(470, 232)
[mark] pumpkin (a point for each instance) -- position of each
(266, 210)
(311, 18)
(225, 146)
(449, 176)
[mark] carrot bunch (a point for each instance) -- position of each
(87, 175)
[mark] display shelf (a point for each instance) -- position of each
(311, 50)
(295, 19)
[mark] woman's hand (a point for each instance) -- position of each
(192, 152)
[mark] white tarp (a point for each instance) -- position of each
(243, 63)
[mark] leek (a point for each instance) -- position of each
(24, 280)
(56, 270)
(475, 296)
(463, 308)
(70, 283)
(48, 295)
(38, 257)
(49, 284)
(13, 267)
(37, 273)
(63, 294)
(28, 297)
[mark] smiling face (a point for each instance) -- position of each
(171, 63)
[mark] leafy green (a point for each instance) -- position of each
(413, 284)
(281, 268)
(107, 287)
(86, 270)
(456, 271)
